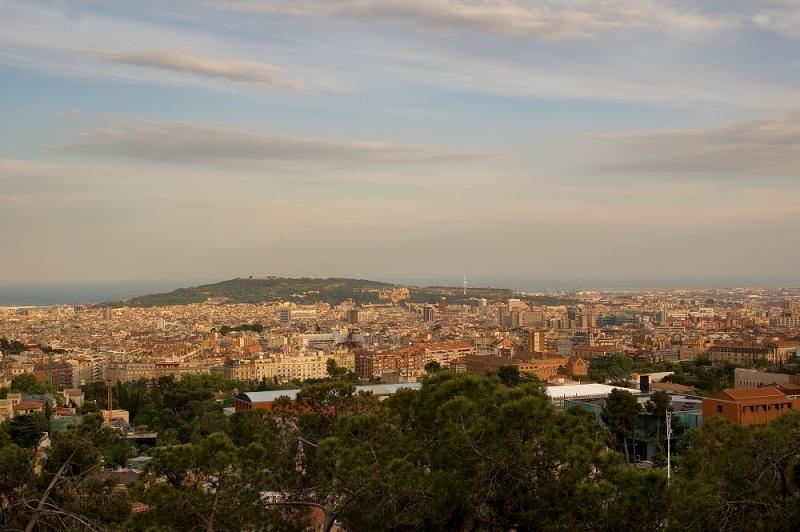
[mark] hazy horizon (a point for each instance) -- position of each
(613, 143)
(65, 294)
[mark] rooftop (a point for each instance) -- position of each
(376, 389)
(744, 394)
(584, 390)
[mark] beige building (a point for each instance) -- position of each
(6, 409)
(745, 354)
(752, 378)
(312, 365)
(134, 371)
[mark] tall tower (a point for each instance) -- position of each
(465, 285)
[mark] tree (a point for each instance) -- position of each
(735, 477)
(26, 430)
(509, 375)
(27, 384)
(210, 485)
(334, 371)
(432, 367)
(656, 409)
(16, 472)
(61, 494)
(617, 367)
(621, 415)
(13, 347)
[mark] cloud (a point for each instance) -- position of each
(783, 18)
(252, 73)
(768, 146)
(71, 112)
(563, 19)
(181, 142)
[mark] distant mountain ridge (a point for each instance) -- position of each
(309, 290)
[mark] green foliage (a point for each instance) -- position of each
(253, 327)
(616, 367)
(432, 294)
(509, 375)
(313, 290)
(703, 375)
(16, 470)
(739, 477)
(334, 371)
(333, 291)
(211, 484)
(11, 347)
(62, 494)
(621, 415)
(461, 453)
(27, 384)
(26, 430)
(432, 367)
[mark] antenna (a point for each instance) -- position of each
(465, 285)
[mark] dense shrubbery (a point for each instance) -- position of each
(463, 453)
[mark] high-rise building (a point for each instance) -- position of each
(442, 304)
(536, 317)
(427, 313)
(106, 313)
(516, 304)
(483, 307)
(285, 315)
(537, 342)
(352, 316)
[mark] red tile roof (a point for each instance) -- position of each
(745, 394)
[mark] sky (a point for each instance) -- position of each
(593, 143)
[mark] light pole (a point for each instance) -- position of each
(669, 451)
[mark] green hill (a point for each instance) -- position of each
(313, 290)
(259, 290)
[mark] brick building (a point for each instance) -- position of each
(747, 406)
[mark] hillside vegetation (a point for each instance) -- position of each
(313, 290)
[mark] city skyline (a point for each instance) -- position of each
(631, 143)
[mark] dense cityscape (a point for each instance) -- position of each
(653, 372)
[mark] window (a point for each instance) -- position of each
(719, 409)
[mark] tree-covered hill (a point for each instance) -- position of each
(259, 290)
(308, 290)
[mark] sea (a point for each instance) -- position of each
(71, 294)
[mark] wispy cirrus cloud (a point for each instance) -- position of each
(563, 19)
(253, 73)
(781, 16)
(767, 146)
(164, 141)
